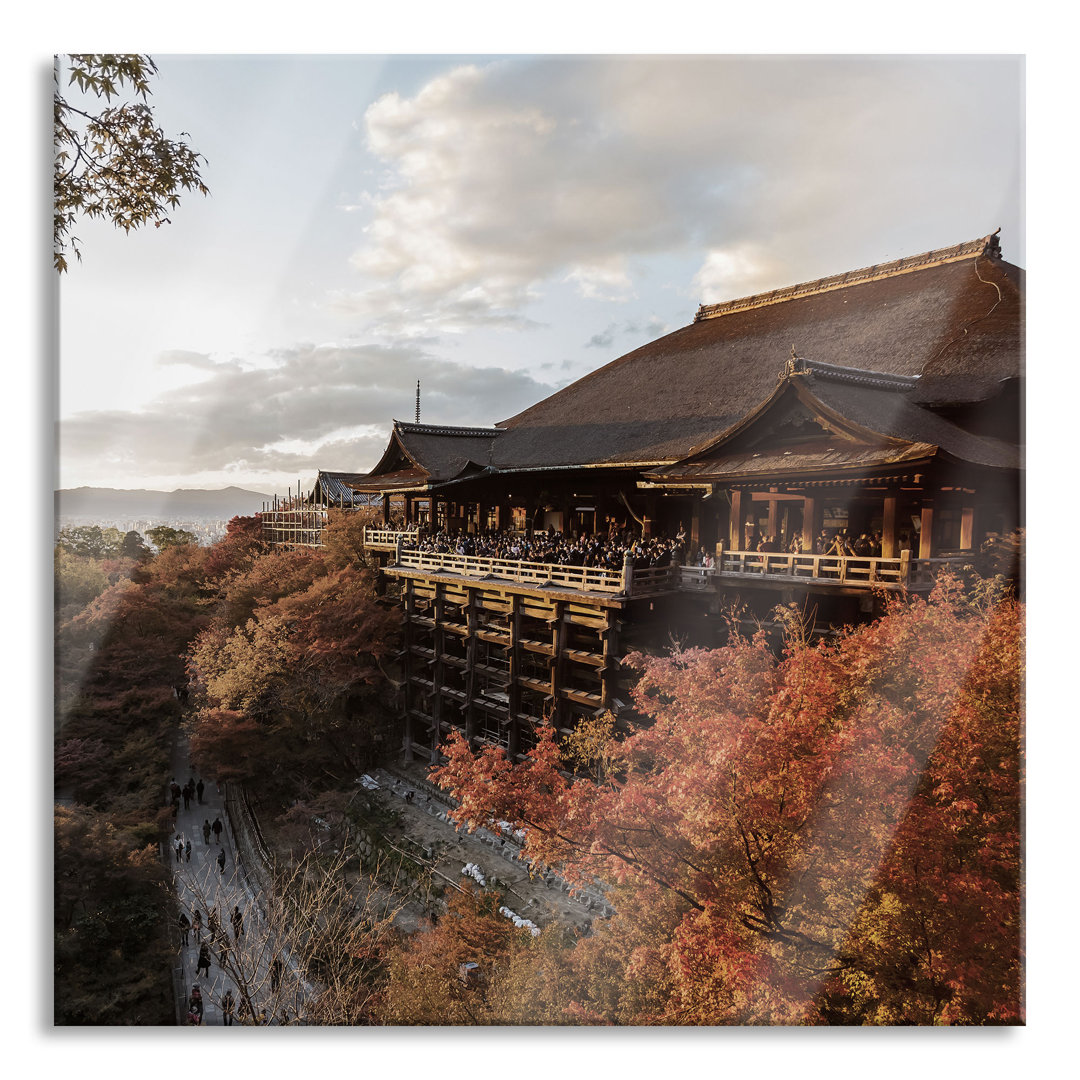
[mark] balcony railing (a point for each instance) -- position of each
(539, 575)
(387, 539)
(847, 570)
(850, 571)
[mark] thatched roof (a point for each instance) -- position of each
(953, 317)
(948, 324)
(828, 419)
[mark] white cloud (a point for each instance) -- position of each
(725, 272)
(502, 179)
(298, 410)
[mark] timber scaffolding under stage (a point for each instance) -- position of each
(493, 646)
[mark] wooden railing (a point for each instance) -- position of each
(387, 539)
(584, 578)
(851, 570)
(842, 570)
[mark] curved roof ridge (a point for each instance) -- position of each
(986, 245)
(446, 429)
(857, 376)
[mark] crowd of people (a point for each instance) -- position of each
(609, 552)
(556, 548)
(866, 545)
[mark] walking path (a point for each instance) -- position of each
(203, 885)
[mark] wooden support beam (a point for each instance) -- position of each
(472, 645)
(609, 640)
(735, 521)
(513, 690)
(926, 531)
(810, 513)
(438, 674)
(967, 527)
(888, 528)
(408, 631)
(558, 661)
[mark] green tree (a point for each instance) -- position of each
(164, 536)
(78, 580)
(114, 163)
(91, 541)
(134, 547)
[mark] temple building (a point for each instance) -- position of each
(822, 445)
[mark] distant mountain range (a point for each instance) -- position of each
(184, 504)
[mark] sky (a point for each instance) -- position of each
(493, 226)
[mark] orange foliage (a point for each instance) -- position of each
(832, 837)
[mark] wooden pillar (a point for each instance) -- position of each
(695, 528)
(926, 531)
(558, 661)
(809, 522)
(771, 527)
(513, 689)
(386, 509)
(735, 521)
(650, 515)
(407, 666)
(471, 650)
(609, 637)
(408, 511)
(888, 528)
(438, 670)
(967, 527)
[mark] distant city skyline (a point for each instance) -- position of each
(494, 227)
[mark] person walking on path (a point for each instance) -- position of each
(200, 787)
(195, 1006)
(206, 831)
(187, 850)
(228, 1003)
(196, 926)
(204, 960)
(174, 792)
(185, 926)
(179, 849)
(276, 969)
(187, 797)
(221, 860)
(217, 827)
(237, 922)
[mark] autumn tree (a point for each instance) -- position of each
(428, 981)
(122, 626)
(827, 837)
(290, 668)
(113, 162)
(315, 948)
(110, 925)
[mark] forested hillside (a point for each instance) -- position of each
(285, 631)
(827, 836)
